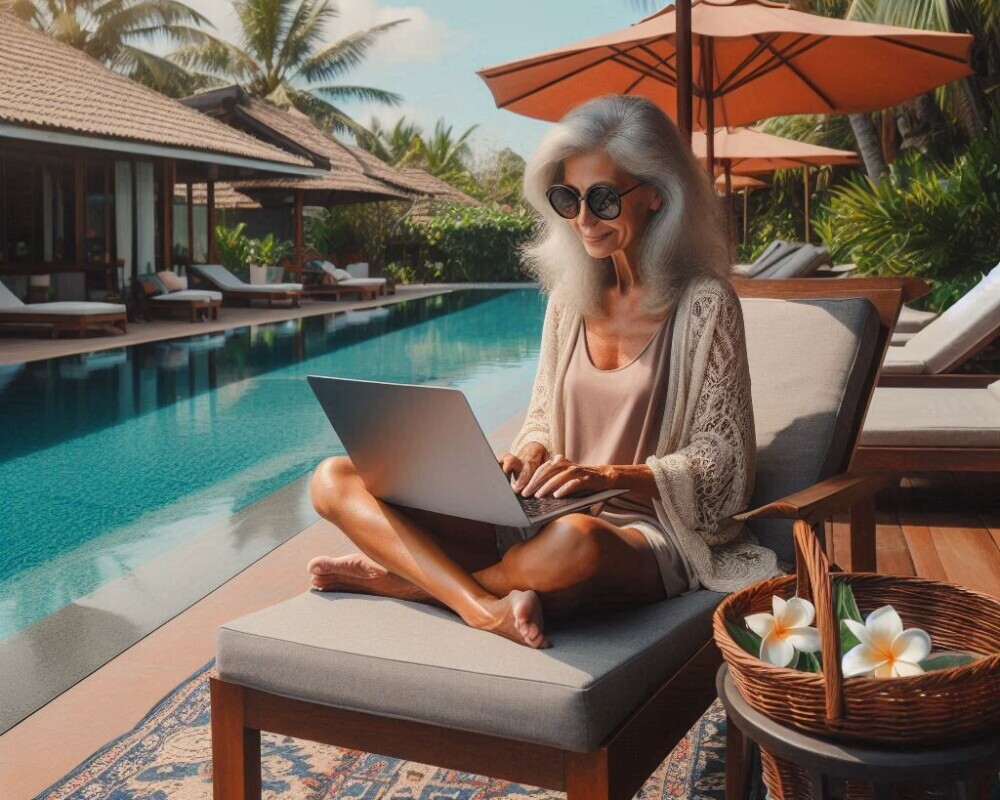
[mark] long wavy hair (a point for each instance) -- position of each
(685, 238)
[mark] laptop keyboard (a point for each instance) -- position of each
(537, 506)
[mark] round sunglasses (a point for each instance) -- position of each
(604, 202)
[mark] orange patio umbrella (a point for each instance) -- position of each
(750, 59)
(747, 151)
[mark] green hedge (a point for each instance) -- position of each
(464, 244)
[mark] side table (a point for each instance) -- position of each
(964, 770)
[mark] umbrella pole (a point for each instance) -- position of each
(805, 183)
(727, 167)
(708, 95)
(746, 216)
(684, 79)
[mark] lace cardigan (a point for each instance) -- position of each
(704, 462)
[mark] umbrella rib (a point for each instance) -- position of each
(645, 70)
(664, 61)
(926, 50)
(784, 59)
(501, 72)
(761, 46)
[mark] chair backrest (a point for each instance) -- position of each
(151, 284)
(773, 254)
(962, 330)
(8, 299)
(814, 360)
(218, 275)
(800, 263)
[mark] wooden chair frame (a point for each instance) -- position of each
(78, 324)
(246, 296)
(622, 763)
(180, 309)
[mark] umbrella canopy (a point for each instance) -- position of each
(751, 59)
(738, 183)
(746, 151)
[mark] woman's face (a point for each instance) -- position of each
(602, 237)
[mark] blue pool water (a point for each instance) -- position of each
(107, 460)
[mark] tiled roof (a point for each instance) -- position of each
(437, 188)
(225, 196)
(48, 84)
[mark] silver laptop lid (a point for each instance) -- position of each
(419, 446)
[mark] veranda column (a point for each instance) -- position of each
(210, 223)
(298, 235)
(167, 214)
(79, 212)
(190, 222)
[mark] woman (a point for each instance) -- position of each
(642, 384)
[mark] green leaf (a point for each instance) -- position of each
(947, 660)
(746, 639)
(808, 662)
(845, 607)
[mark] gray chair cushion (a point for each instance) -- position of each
(912, 320)
(928, 417)
(416, 662)
(808, 361)
(802, 262)
(772, 255)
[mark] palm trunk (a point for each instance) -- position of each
(868, 145)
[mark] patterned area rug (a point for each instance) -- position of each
(168, 756)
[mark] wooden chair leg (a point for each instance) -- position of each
(587, 776)
(863, 536)
(235, 748)
(737, 762)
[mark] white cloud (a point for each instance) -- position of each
(422, 39)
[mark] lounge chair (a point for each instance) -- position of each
(799, 263)
(911, 322)
(596, 714)
(770, 255)
(78, 318)
(930, 429)
(194, 304)
(337, 282)
(232, 288)
(949, 341)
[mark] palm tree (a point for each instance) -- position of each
(399, 146)
(446, 156)
(113, 32)
(282, 57)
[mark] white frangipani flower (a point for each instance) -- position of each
(886, 650)
(785, 631)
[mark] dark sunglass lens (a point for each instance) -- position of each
(565, 203)
(604, 202)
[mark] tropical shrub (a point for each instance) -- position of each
(232, 246)
(472, 243)
(935, 220)
(269, 251)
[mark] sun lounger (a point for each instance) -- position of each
(233, 288)
(595, 715)
(337, 282)
(929, 429)
(770, 255)
(799, 263)
(194, 304)
(79, 318)
(950, 340)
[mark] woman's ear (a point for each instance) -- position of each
(656, 203)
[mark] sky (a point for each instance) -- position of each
(432, 59)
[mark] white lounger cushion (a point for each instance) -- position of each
(410, 661)
(189, 294)
(911, 320)
(922, 417)
(944, 341)
(10, 303)
(362, 282)
(344, 278)
(224, 279)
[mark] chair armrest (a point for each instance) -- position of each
(822, 500)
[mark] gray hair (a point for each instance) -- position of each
(687, 237)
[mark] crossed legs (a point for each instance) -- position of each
(575, 562)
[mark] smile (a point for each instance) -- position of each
(595, 239)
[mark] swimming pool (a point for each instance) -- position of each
(110, 459)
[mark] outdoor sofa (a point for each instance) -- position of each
(337, 282)
(947, 342)
(927, 429)
(597, 713)
(233, 289)
(78, 318)
(193, 304)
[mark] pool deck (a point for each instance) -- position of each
(22, 348)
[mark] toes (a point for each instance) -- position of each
(319, 565)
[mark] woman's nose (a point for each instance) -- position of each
(586, 216)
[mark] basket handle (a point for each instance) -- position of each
(813, 578)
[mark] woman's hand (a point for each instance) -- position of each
(522, 466)
(561, 477)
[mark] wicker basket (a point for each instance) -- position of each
(941, 706)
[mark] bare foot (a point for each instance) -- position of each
(518, 617)
(358, 573)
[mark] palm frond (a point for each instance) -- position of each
(345, 54)
(359, 93)
(305, 33)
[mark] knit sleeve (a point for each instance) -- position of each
(711, 478)
(538, 420)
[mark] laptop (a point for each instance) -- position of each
(421, 447)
